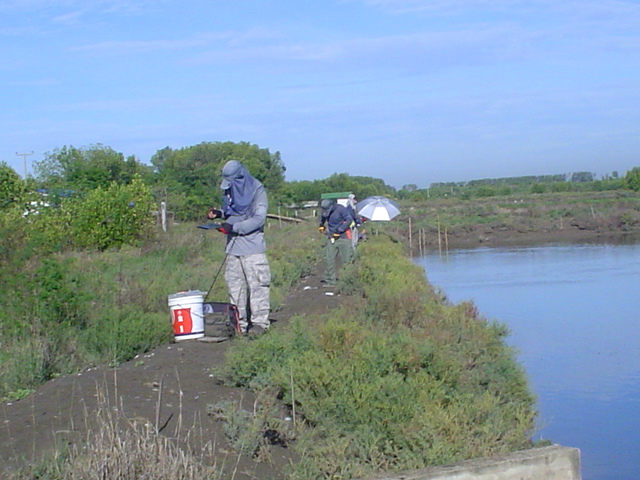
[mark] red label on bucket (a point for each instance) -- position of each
(182, 323)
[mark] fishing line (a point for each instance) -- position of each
(224, 260)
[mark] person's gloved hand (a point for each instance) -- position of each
(336, 235)
(321, 228)
(214, 213)
(226, 228)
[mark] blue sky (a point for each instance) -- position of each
(410, 91)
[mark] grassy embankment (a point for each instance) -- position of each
(396, 379)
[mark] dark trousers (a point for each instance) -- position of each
(342, 247)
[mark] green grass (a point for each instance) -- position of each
(72, 310)
(396, 379)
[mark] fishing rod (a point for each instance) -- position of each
(228, 247)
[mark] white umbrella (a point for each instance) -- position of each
(378, 208)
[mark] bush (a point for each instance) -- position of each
(397, 379)
(112, 217)
(120, 334)
(632, 179)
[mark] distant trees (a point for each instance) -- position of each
(189, 178)
(89, 198)
(581, 177)
(487, 187)
(360, 186)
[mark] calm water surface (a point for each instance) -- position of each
(574, 315)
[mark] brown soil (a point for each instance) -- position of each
(169, 388)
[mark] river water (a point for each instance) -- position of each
(574, 316)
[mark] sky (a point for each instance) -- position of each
(409, 91)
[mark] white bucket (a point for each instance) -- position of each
(187, 317)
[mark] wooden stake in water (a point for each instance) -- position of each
(446, 241)
(410, 237)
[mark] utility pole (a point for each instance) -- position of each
(24, 158)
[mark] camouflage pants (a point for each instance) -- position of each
(248, 279)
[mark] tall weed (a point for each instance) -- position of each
(117, 447)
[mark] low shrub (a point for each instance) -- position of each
(112, 217)
(397, 379)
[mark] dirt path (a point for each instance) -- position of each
(168, 388)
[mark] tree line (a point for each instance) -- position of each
(105, 198)
(530, 184)
(187, 178)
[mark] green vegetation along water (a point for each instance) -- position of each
(572, 310)
(525, 219)
(396, 379)
(463, 394)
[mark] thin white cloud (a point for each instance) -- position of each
(43, 82)
(69, 18)
(17, 31)
(228, 40)
(117, 47)
(88, 5)
(583, 7)
(555, 29)
(408, 52)
(451, 6)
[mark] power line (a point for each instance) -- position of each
(24, 159)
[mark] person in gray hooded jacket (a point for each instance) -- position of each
(244, 211)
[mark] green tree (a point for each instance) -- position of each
(83, 169)
(485, 191)
(361, 187)
(304, 190)
(12, 187)
(581, 177)
(632, 179)
(188, 179)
